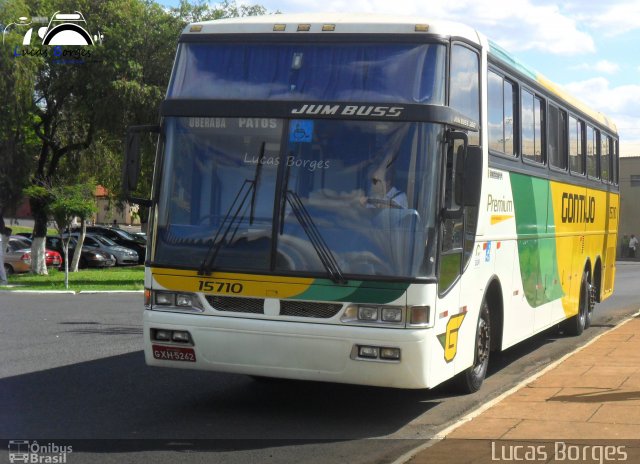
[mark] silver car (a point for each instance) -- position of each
(98, 242)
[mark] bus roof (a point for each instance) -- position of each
(347, 23)
(343, 22)
(513, 63)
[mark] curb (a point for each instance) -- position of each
(476, 412)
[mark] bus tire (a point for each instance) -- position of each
(589, 312)
(470, 380)
(575, 325)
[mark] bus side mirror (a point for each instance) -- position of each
(472, 176)
(132, 158)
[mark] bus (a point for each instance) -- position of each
(369, 200)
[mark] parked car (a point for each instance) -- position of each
(18, 256)
(88, 257)
(122, 238)
(122, 254)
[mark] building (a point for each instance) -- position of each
(108, 211)
(629, 195)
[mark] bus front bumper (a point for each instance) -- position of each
(292, 350)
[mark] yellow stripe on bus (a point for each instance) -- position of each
(224, 283)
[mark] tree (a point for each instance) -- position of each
(42, 196)
(17, 140)
(76, 115)
(70, 202)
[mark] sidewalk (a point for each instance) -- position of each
(585, 409)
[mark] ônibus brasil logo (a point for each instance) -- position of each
(38, 453)
(62, 29)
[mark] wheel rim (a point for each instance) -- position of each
(482, 345)
(584, 305)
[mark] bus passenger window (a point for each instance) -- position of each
(500, 110)
(532, 119)
(592, 153)
(576, 147)
(557, 138)
(615, 174)
(605, 158)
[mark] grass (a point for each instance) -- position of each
(19, 229)
(114, 279)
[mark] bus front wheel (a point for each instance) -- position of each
(470, 380)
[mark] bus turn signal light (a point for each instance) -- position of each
(419, 315)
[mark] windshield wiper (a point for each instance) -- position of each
(319, 245)
(216, 245)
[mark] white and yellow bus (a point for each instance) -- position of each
(368, 200)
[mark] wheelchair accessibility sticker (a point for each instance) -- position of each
(301, 131)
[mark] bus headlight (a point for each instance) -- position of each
(369, 314)
(183, 300)
(164, 298)
(173, 301)
(392, 314)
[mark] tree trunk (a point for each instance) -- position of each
(78, 252)
(4, 242)
(38, 262)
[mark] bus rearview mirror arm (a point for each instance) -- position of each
(455, 157)
(132, 159)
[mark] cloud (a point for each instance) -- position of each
(617, 19)
(602, 66)
(621, 103)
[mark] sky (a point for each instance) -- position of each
(588, 47)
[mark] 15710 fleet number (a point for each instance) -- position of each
(220, 287)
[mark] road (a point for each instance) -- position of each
(73, 373)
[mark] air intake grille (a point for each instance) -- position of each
(236, 305)
(306, 309)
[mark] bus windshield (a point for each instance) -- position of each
(367, 72)
(255, 195)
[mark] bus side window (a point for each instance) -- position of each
(532, 121)
(501, 100)
(465, 94)
(557, 138)
(592, 153)
(605, 158)
(576, 145)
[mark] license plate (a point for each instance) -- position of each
(173, 353)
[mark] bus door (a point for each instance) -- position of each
(457, 234)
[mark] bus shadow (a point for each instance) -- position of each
(119, 404)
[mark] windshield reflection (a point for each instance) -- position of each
(321, 197)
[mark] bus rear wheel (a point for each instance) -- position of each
(575, 325)
(470, 380)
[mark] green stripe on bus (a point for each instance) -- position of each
(356, 291)
(536, 250)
